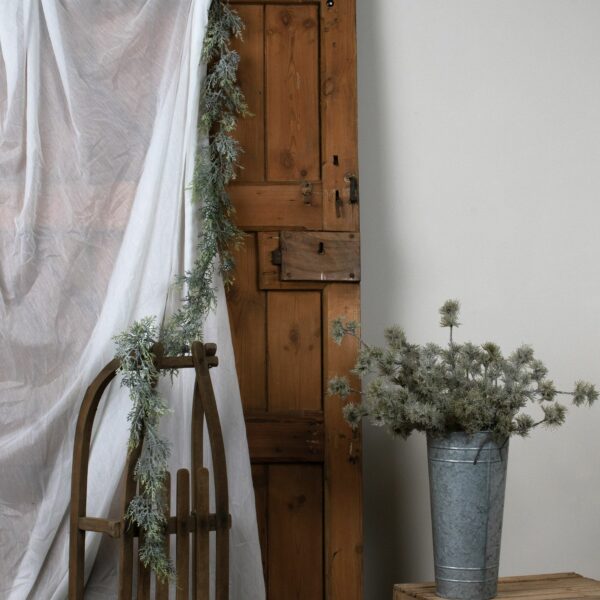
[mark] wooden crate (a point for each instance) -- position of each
(558, 586)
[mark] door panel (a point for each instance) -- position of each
(294, 350)
(298, 72)
(292, 92)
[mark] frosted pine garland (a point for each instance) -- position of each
(221, 103)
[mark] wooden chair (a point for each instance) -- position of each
(195, 520)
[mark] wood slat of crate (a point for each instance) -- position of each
(557, 586)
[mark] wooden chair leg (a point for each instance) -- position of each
(201, 535)
(183, 539)
(143, 578)
(127, 531)
(162, 587)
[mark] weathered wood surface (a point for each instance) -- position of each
(269, 274)
(296, 531)
(557, 586)
(343, 510)
(194, 519)
(291, 436)
(294, 350)
(298, 70)
(277, 206)
(320, 256)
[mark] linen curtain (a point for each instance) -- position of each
(98, 111)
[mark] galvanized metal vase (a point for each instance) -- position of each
(467, 479)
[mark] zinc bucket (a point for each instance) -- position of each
(467, 480)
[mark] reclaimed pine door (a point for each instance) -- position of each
(297, 199)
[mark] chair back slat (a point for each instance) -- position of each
(192, 510)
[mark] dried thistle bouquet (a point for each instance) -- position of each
(460, 387)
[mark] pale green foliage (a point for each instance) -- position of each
(462, 387)
(221, 102)
(341, 328)
(140, 376)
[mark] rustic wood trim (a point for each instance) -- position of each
(285, 437)
(320, 256)
(215, 435)
(143, 578)
(269, 275)
(126, 555)
(339, 137)
(264, 206)
(343, 512)
(182, 552)
(201, 539)
(555, 586)
(111, 528)
(79, 476)
(162, 587)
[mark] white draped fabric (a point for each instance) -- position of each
(98, 107)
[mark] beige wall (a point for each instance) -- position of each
(480, 179)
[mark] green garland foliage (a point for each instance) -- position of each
(462, 387)
(221, 103)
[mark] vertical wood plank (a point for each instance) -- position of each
(162, 587)
(339, 114)
(247, 313)
(127, 535)
(201, 536)
(294, 346)
(260, 478)
(250, 131)
(183, 540)
(296, 532)
(143, 575)
(197, 431)
(292, 92)
(343, 487)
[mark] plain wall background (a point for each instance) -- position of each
(479, 127)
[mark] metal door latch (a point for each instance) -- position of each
(352, 181)
(306, 190)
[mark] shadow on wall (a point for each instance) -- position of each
(397, 529)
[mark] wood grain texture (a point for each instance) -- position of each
(162, 587)
(556, 586)
(79, 477)
(201, 541)
(276, 206)
(250, 131)
(221, 487)
(320, 256)
(143, 576)
(247, 312)
(269, 274)
(292, 92)
(182, 560)
(294, 347)
(296, 532)
(291, 436)
(343, 510)
(339, 136)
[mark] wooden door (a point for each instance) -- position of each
(298, 71)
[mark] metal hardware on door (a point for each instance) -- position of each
(330, 3)
(321, 249)
(306, 189)
(352, 181)
(339, 205)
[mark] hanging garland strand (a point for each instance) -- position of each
(221, 103)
